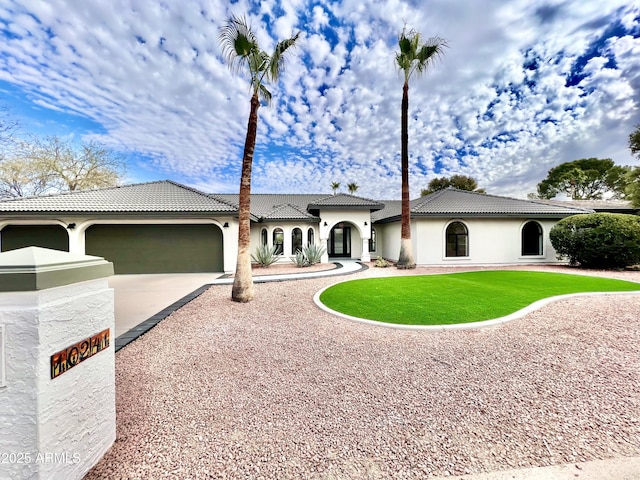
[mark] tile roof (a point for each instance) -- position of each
(289, 212)
(597, 205)
(161, 196)
(171, 197)
(263, 204)
(460, 202)
(344, 200)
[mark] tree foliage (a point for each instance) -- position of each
(461, 182)
(352, 187)
(634, 142)
(55, 165)
(632, 189)
(598, 240)
(585, 179)
(8, 127)
(633, 176)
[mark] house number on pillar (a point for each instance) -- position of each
(71, 356)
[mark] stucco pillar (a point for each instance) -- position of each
(365, 257)
(57, 394)
(230, 245)
(76, 239)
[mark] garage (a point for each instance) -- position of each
(157, 248)
(46, 236)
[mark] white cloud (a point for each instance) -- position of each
(498, 106)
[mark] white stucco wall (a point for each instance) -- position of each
(388, 240)
(360, 233)
(287, 229)
(492, 241)
(56, 428)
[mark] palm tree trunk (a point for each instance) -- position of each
(405, 260)
(243, 281)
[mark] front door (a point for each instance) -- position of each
(340, 241)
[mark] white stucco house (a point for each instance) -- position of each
(161, 227)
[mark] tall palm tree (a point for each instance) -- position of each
(335, 186)
(242, 53)
(414, 58)
(352, 187)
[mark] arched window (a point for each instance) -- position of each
(532, 239)
(278, 241)
(296, 240)
(310, 237)
(457, 240)
(372, 240)
(263, 236)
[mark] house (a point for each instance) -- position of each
(163, 226)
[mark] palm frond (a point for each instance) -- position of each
(238, 43)
(265, 94)
(415, 56)
(276, 62)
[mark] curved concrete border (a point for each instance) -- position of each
(462, 326)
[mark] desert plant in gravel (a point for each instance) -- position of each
(300, 260)
(313, 253)
(265, 255)
(598, 240)
(381, 262)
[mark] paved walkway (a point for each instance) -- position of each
(142, 301)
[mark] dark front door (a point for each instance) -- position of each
(340, 241)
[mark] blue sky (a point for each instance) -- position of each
(524, 86)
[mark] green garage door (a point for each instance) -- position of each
(47, 236)
(157, 248)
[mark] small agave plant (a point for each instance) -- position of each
(299, 259)
(265, 255)
(313, 253)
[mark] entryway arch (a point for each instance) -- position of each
(345, 240)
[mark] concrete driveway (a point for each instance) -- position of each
(138, 297)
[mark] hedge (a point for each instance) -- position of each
(598, 240)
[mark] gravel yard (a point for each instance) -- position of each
(278, 388)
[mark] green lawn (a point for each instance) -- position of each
(457, 297)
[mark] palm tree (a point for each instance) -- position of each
(335, 186)
(353, 187)
(414, 57)
(242, 52)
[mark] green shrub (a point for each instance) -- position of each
(313, 253)
(300, 260)
(381, 262)
(265, 255)
(598, 240)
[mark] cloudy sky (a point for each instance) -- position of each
(524, 85)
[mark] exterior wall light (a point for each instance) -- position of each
(226, 225)
(71, 226)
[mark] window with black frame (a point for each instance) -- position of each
(531, 239)
(278, 241)
(296, 240)
(457, 240)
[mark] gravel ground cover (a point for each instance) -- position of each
(280, 389)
